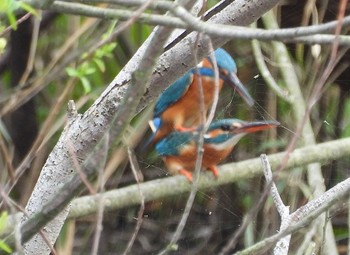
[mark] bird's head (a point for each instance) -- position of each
(227, 72)
(232, 130)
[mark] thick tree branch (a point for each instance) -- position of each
(309, 34)
(229, 173)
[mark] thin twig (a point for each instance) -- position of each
(307, 240)
(349, 226)
(123, 26)
(234, 238)
(135, 168)
(99, 197)
(213, 107)
(270, 81)
(198, 166)
(303, 216)
(18, 219)
(78, 169)
(7, 157)
(19, 21)
(32, 51)
(39, 140)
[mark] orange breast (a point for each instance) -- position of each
(213, 157)
(187, 160)
(186, 111)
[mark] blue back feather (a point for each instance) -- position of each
(172, 144)
(173, 93)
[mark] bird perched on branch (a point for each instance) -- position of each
(178, 107)
(179, 149)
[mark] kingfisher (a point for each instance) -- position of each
(179, 149)
(178, 107)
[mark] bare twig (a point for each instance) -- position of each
(139, 178)
(282, 245)
(19, 21)
(17, 220)
(123, 26)
(33, 45)
(198, 166)
(99, 197)
(270, 81)
(78, 168)
(303, 216)
(349, 226)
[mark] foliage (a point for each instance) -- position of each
(3, 222)
(9, 7)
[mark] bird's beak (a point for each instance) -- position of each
(233, 81)
(255, 126)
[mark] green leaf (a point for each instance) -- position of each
(5, 247)
(86, 84)
(89, 70)
(3, 220)
(3, 43)
(110, 30)
(12, 19)
(72, 72)
(100, 64)
(29, 9)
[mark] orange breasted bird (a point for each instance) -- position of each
(178, 107)
(179, 149)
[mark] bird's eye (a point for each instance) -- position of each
(226, 127)
(222, 72)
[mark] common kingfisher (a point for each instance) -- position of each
(179, 149)
(178, 107)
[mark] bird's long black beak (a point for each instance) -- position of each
(233, 81)
(254, 126)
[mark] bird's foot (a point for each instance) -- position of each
(187, 174)
(185, 129)
(214, 170)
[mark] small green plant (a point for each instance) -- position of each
(90, 63)
(3, 220)
(9, 7)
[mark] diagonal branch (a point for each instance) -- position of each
(303, 216)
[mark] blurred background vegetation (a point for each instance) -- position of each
(67, 65)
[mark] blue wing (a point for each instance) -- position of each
(171, 145)
(156, 124)
(173, 93)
